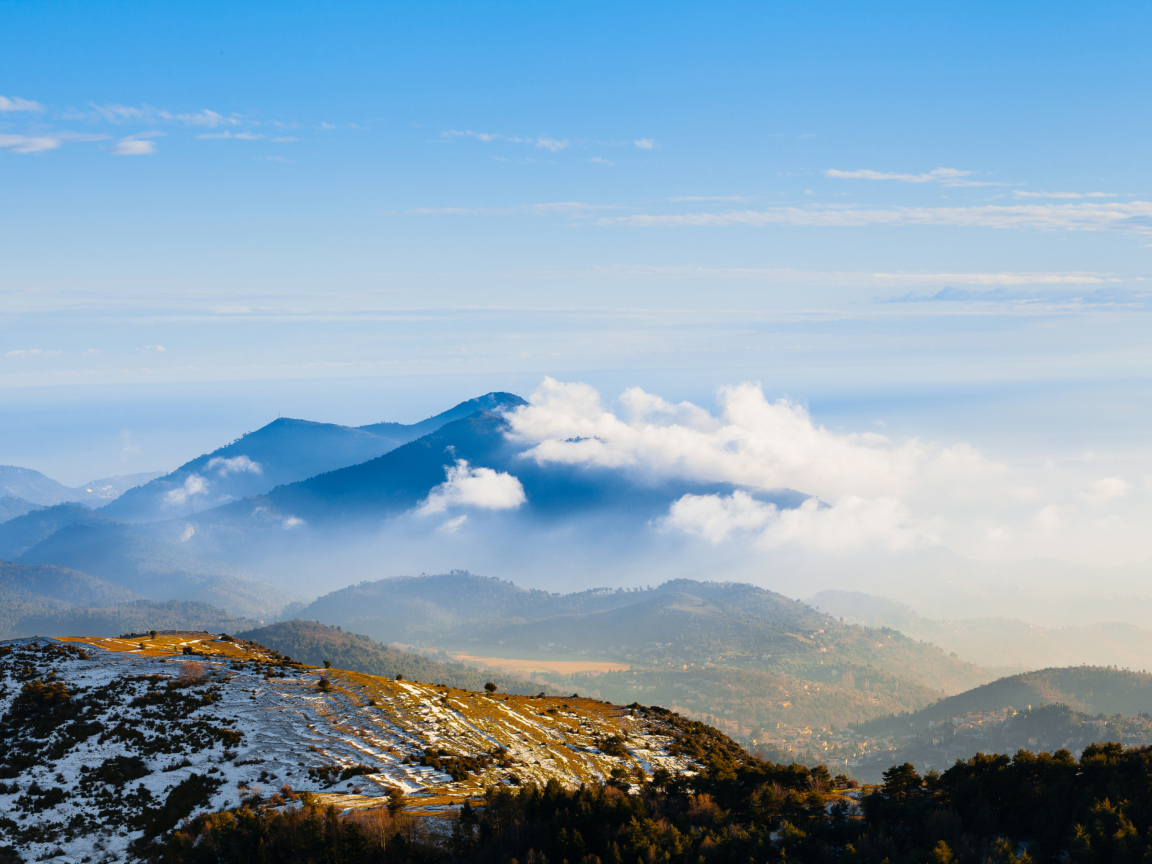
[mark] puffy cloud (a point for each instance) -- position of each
(866, 489)
(135, 145)
(234, 465)
(852, 522)
(194, 484)
(1107, 489)
(466, 486)
(754, 443)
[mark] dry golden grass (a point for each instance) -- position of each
(375, 720)
(530, 667)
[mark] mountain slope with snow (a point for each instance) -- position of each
(109, 743)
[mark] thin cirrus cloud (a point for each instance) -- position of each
(29, 143)
(569, 207)
(645, 144)
(944, 176)
(683, 199)
(242, 136)
(147, 114)
(32, 352)
(541, 142)
(15, 103)
(1021, 194)
(1133, 217)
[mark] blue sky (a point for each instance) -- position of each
(932, 216)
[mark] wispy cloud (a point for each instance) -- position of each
(572, 207)
(114, 113)
(159, 349)
(29, 143)
(945, 176)
(243, 136)
(1020, 194)
(691, 198)
(15, 103)
(552, 145)
(859, 278)
(1131, 217)
(32, 352)
(645, 144)
(542, 142)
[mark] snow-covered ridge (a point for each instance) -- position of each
(106, 742)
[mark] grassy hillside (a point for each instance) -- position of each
(240, 724)
(313, 643)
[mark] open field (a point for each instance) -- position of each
(520, 666)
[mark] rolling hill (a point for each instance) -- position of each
(1086, 689)
(746, 658)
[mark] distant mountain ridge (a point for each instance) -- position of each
(283, 452)
(37, 489)
(1002, 642)
(47, 600)
(400, 479)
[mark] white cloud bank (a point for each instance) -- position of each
(867, 490)
(482, 488)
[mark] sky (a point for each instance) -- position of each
(928, 221)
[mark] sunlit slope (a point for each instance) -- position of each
(97, 717)
(314, 643)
